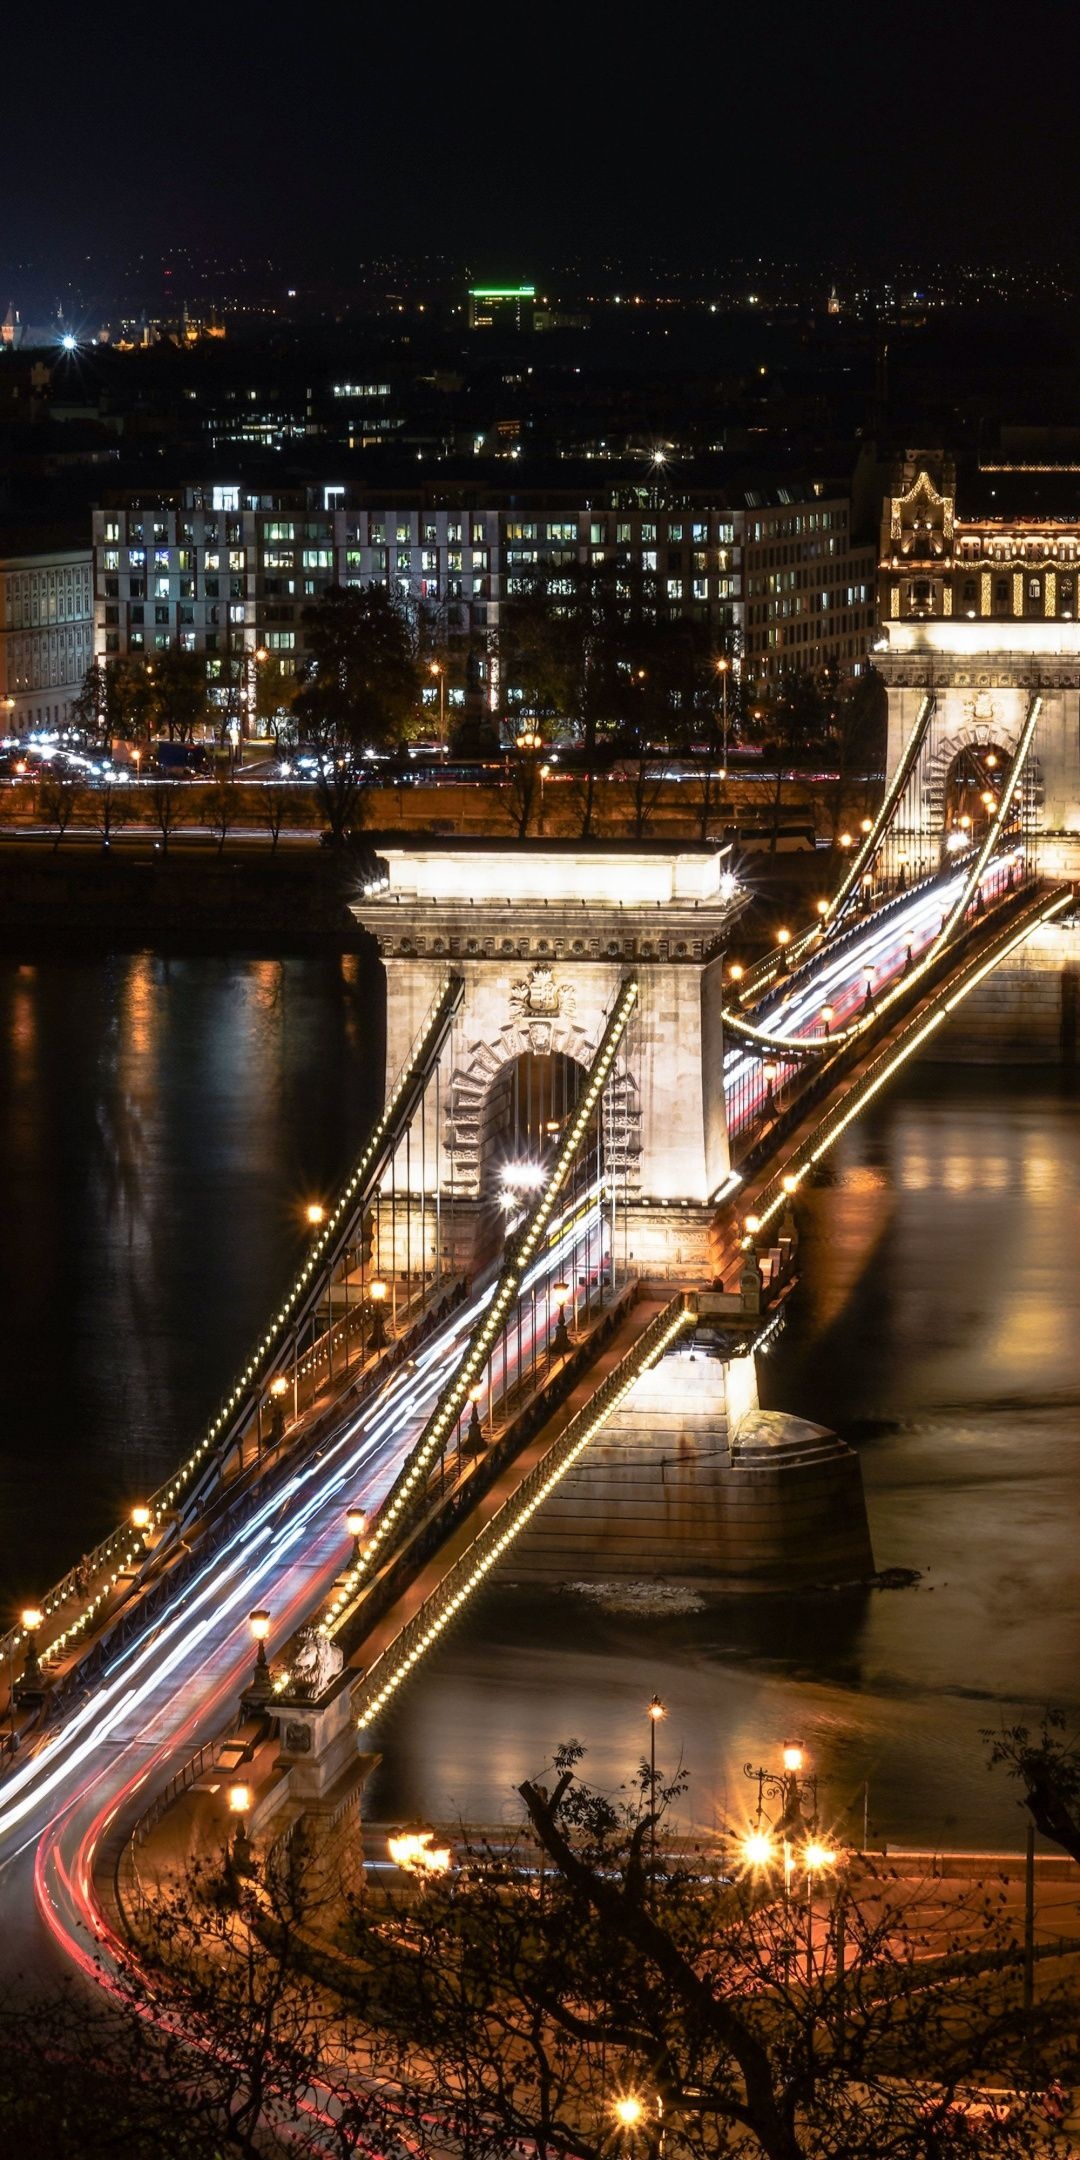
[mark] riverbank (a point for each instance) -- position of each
(261, 901)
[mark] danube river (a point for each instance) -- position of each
(164, 1119)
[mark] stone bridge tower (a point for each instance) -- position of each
(543, 934)
(979, 604)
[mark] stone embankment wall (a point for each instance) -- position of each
(1026, 1013)
(254, 900)
(692, 1482)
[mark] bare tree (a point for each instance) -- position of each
(546, 1985)
(110, 809)
(166, 807)
(222, 804)
(281, 809)
(59, 800)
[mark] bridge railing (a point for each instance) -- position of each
(466, 1574)
(92, 1584)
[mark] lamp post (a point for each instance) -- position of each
(655, 1712)
(314, 1213)
(436, 668)
(239, 1808)
(142, 1521)
(789, 1785)
(723, 669)
(473, 1443)
(260, 1684)
(826, 1019)
(278, 1390)
(32, 1683)
(356, 1525)
(560, 1341)
(377, 1292)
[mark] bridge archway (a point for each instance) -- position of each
(973, 787)
(525, 1109)
(968, 763)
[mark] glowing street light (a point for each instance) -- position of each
(560, 1341)
(414, 1852)
(846, 840)
(260, 1685)
(356, 1525)
(827, 1016)
(758, 1849)
(628, 2111)
(32, 1681)
(474, 1438)
(141, 1518)
(315, 1213)
(793, 1755)
(378, 1292)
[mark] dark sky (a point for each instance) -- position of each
(517, 135)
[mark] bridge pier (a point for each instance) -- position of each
(692, 1481)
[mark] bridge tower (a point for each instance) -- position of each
(542, 935)
(980, 653)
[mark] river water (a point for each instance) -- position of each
(162, 1121)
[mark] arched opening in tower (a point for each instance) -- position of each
(974, 786)
(526, 1110)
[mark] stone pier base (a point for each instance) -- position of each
(691, 1481)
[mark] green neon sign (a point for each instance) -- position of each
(502, 292)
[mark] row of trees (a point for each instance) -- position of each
(578, 653)
(112, 808)
(584, 1992)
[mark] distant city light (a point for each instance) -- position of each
(69, 342)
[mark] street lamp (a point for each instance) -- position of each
(560, 1341)
(474, 1438)
(628, 2111)
(655, 1712)
(827, 1014)
(436, 668)
(260, 1684)
(279, 1388)
(315, 1213)
(239, 1808)
(758, 1849)
(377, 1291)
(723, 667)
(33, 1680)
(790, 1786)
(356, 1525)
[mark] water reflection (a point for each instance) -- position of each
(157, 1118)
(161, 1116)
(935, 1325)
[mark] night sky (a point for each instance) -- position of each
(515, 136)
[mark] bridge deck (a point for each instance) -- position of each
(648, 1304)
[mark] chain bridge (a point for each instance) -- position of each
(525, 1336)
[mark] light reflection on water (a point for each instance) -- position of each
(936, 1326)
(161, 1117)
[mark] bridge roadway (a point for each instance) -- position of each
(836, 974)
(77, 1785)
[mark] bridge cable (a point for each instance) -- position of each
(995, 827)
(890, 803)
(521, 1252)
